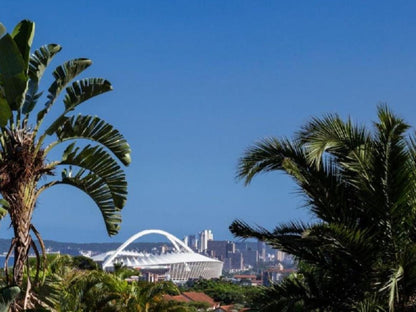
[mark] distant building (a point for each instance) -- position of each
(275, 274)
(248, 279)
(220, 249)
(251, 257)
(204, 237)
(191, 241)
(179, 265)
(234, 262)
(261, 248)
(280, 256)
(231, 247)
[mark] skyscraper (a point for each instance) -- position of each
(191, 241)
(204, 237)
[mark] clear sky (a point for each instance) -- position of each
(197, 82)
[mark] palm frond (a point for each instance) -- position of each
(369, 304)
(97, 160)
(266, 155)
(63, 75)
(77, 93)
(331, 135)
(393, 287)
(242, 229)
(95, 129)
(39, 60)
(99, 191)
(292, 238)
(83, 90)
(322, 185)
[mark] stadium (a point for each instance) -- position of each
(178, 266)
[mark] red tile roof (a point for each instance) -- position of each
(199, 297)
(178, 298)
(192, 296)
(229, 308)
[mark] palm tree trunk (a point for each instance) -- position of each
(21, 216)
(22, 203)
(21, 249)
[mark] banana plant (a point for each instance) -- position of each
(27, 142)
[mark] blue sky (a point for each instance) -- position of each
(197, 82)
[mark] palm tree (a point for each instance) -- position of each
(92, 168)
(70, 289)
(360, 187)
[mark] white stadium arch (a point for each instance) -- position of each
(173, 239)
(180, 265)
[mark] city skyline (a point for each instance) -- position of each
(197, 83)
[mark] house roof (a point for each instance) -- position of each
(229, 308)
(178, 298)
(192, 296)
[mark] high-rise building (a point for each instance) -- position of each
(204, 237)
(237, 261)
(251, 257)
(280, 256)
(220, 249)
(230, 247)
(261, 248)
(191, 241)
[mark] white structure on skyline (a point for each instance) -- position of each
(204, 237)
(180, 265)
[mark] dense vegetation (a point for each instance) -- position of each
(75, 284)
(226, 292)
(360, 184)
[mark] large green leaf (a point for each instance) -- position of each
(13, 75)
(63, 75)
(98, 161)
(77, 93)
(96, 129)
(11, 60)
(23, 35)
(41, 58)
(99, 191)
(5, 112)
(83, 90)
(37, 65)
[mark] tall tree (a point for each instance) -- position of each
(26, 142)
(360, 186)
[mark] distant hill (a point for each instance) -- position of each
(76, 248)
(96, 248)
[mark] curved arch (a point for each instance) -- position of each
(176, 242)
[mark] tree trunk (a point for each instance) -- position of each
(21, 249)
(21, 208)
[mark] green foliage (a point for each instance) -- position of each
(360, 186)
(84, 263)
(7, 296)
(75, 284)
(225, 292)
